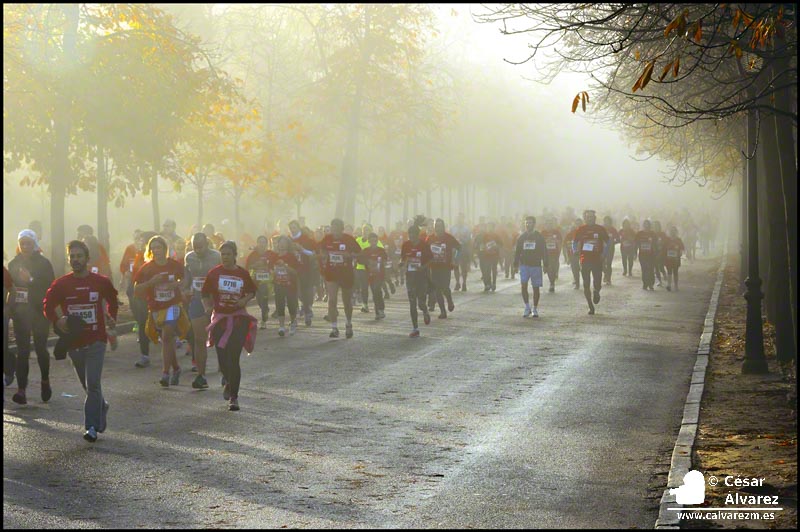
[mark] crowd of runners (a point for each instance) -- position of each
(197, 289)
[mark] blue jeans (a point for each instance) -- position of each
(88, 364)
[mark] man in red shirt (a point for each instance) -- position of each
(445, 249)
(614, 239)
(673, 248)
(81, 294)
(627, 247)
(573, 258)
(489, 246)
(305, 253)
(414, 258)
(337, 251)
(553, 240)
(375, 259)
(646, 248)
(592, 242)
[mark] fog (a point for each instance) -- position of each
(511, 144)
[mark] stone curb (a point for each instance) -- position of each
(682, 453)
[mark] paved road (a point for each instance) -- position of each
(489, 420)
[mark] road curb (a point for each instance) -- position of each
(681, 461)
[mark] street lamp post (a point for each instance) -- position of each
(754, 360)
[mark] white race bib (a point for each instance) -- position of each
(335, 258)
(491, 244)
(646, 246)
(388, 264)
(438, 250)
(22, 295)
(528, 245)
(262, 276)
(551, 245)
(87, 313)
(281, 271)
(672, 253)
(588, 246)
(130, 266)
(197, 283)
(397, 251)
(163, 293)
(230, 285)
(414, 264)
(95, 269)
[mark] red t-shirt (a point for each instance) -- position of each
(591, 241)
(673, 248)
(375, 260)
(128, 259)
(83, 297)
(303, 261)
(489, 244)
(442, 248)
(338, 253)
(396, 239)
(416, 256)
(159, 296)
(281, 272)
(226, 287)
(613, 235)
(627, 239)
(260, 264)
(646, 240)
(552, 241)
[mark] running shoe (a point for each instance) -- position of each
(199, 383)
(176, 375)
(164, 380)
(233, 406)
(143, 362)
(348, 331)
(535, 313)
(90, 435)
(364, 309)
(281, 332)
(292, 328)
(443, 315)
(451, 306)
(19, 397)
(379, 314)
(596, 298)
(527, 313)
(334, 333)
(414, 334)
(427, 318)
(47, 392)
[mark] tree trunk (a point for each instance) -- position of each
(102, 199)
(154, 198)
(778, 295)
(405, 206)
(62, 126)
(428, 201)
(743, 226)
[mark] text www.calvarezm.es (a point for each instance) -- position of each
(756, 516)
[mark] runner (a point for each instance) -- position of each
(573, 258)
(553, 242)
(198, 263)
(285, 271)
(159, 282)
(464, 236)
(9, 361)
(362, 279)
(530, 252)
(445, 249)
(169, 234)
(102, 254)
(690, 230)
(388, 284)
(259, 263)
(658, 256)
(673, 248)
(593, 242)
(32, 275)
(337, 251)
(376, 260)
(306, 249)
(132, 261)
(645, 246)
(614, 239)
(489, 248)
(79, 297)
(627, 247)
(414, 258)
(397, 237)
(226, 291)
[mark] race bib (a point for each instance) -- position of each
(627, 243)
(22, 295)
(551, 245)
(529, 246)
(438, 250)
(388, 264)
(230, 285)
(672, 253)
(163, 293)
(95, 269)
(646, 246)
(197, 283)
(262, 276)
(87, 313)
(397, 251)
(414, 264)
(130, 266)
(281, 271)
(491, 244)
(336, 258)
(587, 246)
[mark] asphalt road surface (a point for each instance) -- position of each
(488, 420)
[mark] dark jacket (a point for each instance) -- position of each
(42, 272)
(531, 257)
